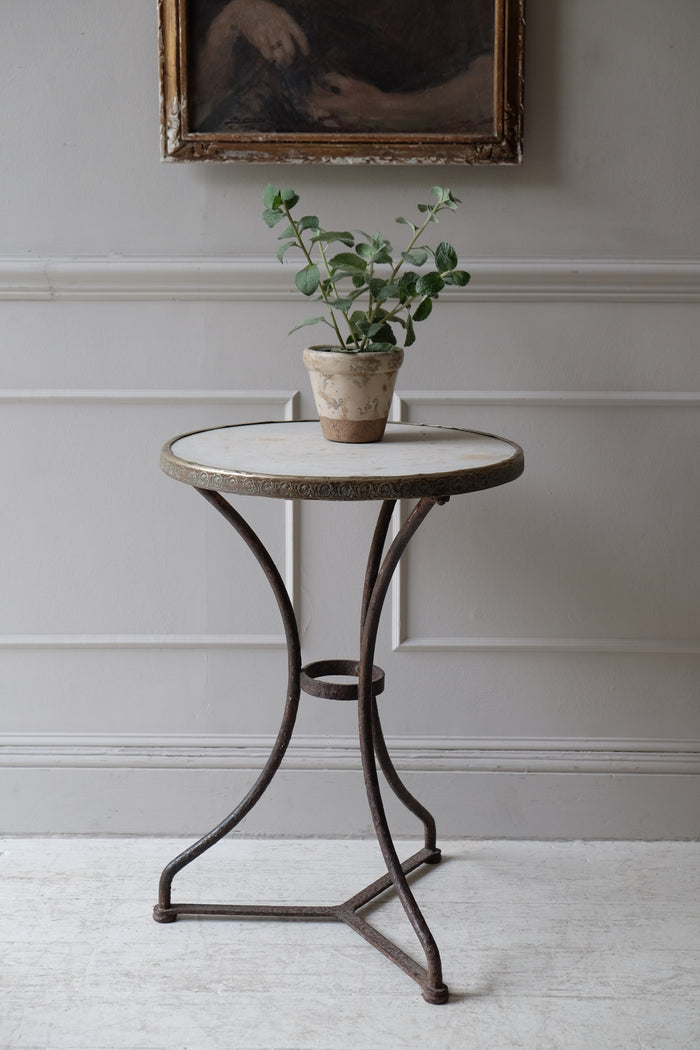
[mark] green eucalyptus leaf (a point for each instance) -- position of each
(272, 217)
(290, 232)
(308, 222)
(445, 257)
(383, 255)
(283, 248)
(375, 286)
(407, 222)
(410, 332)
(382, 332)
(289, 197)
(381, 348)
(341, 304)
(365, 250)
(389, 291)
(307, 322)
(359, 321)
(307, 279)
(348, 261)
(328, 236)
(429, 284)
(416, 257)
(271, 197)
(423, 310)
(458, 277)
(407, 284)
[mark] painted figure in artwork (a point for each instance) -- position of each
(345, 66)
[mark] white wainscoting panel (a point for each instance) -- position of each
(543, 641)
(121, 575)
(588, 560)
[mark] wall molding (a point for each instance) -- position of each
(257, 278)
(543, 399)
(329, 754)
(631, 399)
(287, 400)
(611, 646)
(141, 641)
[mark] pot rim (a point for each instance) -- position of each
(337, 362)
(329, 348)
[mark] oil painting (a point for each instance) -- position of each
(343, 80)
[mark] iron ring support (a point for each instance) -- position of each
(434, 991)
(163, 911)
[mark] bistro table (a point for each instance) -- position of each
(293, 461)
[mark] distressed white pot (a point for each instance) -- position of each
(353, 392)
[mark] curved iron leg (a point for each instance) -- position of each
(434, 990)
(163, 912)
(399, 788)
(387, 766)
(374, 558)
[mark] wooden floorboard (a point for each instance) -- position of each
(545, 946)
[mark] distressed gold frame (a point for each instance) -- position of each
(503, 146)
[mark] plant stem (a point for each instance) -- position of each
(372, 312)
(328, 271)
(300, 243)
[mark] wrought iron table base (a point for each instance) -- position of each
(373, 749)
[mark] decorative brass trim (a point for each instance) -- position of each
(443, 485)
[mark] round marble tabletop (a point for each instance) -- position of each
(294, 461)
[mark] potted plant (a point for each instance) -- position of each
(373, 298)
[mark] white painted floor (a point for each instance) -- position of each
(544, 946)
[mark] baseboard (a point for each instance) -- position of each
(324, 754)
(551, 789)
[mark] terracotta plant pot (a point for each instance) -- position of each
(353, 392)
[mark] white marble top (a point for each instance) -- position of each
(294, 460)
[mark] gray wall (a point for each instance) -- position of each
(542, 644)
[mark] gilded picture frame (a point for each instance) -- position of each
(346, 81)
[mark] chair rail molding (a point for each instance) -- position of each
(258, 278)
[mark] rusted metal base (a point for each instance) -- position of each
(373, 749)
(346, 912)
